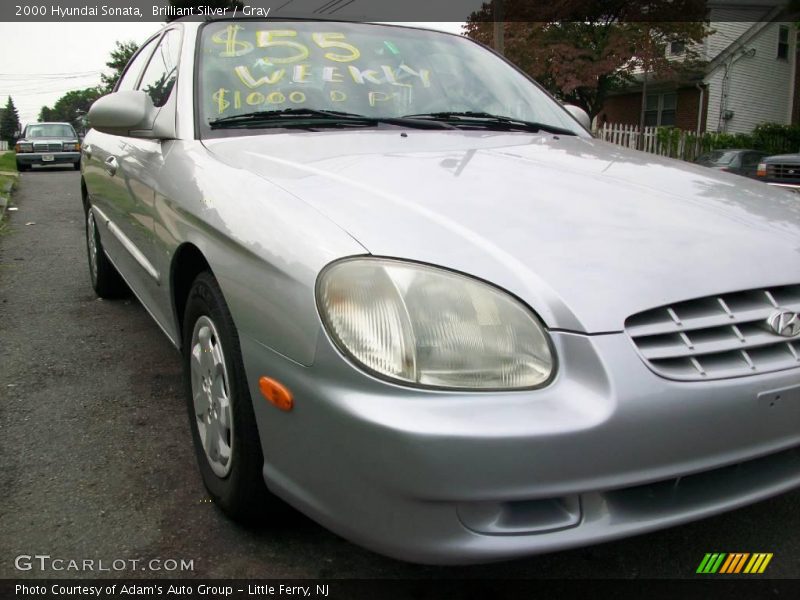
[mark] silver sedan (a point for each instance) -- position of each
(419, 302)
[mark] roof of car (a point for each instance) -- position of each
(199, 20)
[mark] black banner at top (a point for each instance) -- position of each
(400, 10)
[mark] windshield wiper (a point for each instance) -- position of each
(312, 117)
(285, 117)
(488, 120)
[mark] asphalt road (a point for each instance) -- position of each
(96, 460)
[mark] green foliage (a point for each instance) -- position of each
(120, 55)
(9, 124)
(777, 139)
(771, 138)
(669, 138)
(8, 161)
(580, 51)
(72, 107)
(6, 184)
(716, 141)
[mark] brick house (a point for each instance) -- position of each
(750, 77)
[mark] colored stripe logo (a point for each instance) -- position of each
(734, 563)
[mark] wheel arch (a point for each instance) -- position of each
(84, 196)
(188, 262)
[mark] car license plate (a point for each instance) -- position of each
(48, 157)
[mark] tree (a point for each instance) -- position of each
(72, 107)
(581, 51)
(204, 3)
(9, 124)
(120, 55)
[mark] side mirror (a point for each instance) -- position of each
(131, 113)
(121, 112)
(580, 115)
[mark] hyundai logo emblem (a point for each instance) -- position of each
(785, 323)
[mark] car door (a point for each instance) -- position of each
(134, 165)
(99, 157)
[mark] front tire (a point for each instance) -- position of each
(106, 281)
(21, 167)
(223, 424)
(76, 166)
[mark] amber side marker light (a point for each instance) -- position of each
(276, 393)
(761, 171)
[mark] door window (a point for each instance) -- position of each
(162, 71)
(134, 69)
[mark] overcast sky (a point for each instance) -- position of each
(39, 62)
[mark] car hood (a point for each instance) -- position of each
(783, 158)
(587, 233)
(47, 140)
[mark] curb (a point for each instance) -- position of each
(5, 195)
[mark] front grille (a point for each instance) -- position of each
(47, 146)
(783, 171)
(717, 336)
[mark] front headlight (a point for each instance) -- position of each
(70, 147)
(23, 147)
(430, 327)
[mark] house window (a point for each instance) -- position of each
(676, 48)
(660, 109)
(783, 42)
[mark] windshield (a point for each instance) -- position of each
(50, 130)
(718, 157)
(378, 71)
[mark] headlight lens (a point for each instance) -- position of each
(69, 147)
(430, 327)
(24, 147)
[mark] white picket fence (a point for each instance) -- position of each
(686, 146)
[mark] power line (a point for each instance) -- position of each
(54, 85)
(22, 88)
(19, 85)
(65, 75)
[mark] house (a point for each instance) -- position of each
(750, 76)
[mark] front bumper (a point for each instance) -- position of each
(38, 158)
(792, 187)
(609, 449)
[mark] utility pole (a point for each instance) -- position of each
(497, 16)
(646, 68)
(640, 145)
